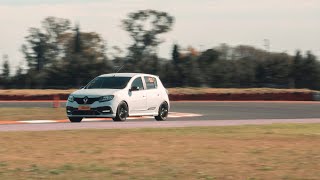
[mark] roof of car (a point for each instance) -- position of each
(124, 74)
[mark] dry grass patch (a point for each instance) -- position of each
(242, 152)
(32, 92)
(16, 114)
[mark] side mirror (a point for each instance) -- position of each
(134, 88)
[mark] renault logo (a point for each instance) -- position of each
(85, 100)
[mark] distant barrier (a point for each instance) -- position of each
(316, 96)
(33, 98)
(287, 96)
(296, 96)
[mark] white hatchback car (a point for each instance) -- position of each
(118, 96)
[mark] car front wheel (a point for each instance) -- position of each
(122, 112)
(163, 112)
(75, 119)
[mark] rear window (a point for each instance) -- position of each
(151, 82)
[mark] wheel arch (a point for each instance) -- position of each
(160, 116)
(126, 104)
(164, 101)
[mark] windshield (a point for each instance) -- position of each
(108, 83)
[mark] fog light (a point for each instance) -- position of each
(106, 111)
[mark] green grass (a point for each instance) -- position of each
(286, 151)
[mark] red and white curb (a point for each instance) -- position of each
(171, 115)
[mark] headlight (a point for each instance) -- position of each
(106, 98)
(70, 98)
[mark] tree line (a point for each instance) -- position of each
(60, 55)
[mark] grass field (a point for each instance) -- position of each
(34, 113)
(30, 92)
(241, 152)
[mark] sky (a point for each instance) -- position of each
(288, 24)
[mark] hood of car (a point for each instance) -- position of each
(94, 92)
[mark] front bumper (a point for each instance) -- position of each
(97, 109)
(105, 111)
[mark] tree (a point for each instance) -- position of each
(168, 74)
(19, 79)
(35, 48)
(305, 71)
(77, 41)
(144, 26)
(191, 74)
(42, 45)
(274, 71)
(296, 72)
(84, 58)
(58, 57)
(54, 28)
(245, 70)
(311, 72)
(205, 60)
(248, 52)
(208, 57)
(175, 54)
(224, 51)
(6, 68)
(88, 44)
(5, 75)
(178, 77)
(222, 74)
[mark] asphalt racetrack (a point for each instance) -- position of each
(214, 113)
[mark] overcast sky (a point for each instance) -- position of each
(288, 24)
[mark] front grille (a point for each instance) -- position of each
(93, 111)
(85, 113)
(90, 100)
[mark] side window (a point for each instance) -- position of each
(151, 82)
(138, 83)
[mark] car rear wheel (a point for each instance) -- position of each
(122, 112)
(163, 112)
(75, 119)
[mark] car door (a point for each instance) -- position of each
(153, 94)
(137, 98)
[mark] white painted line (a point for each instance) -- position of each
(89, 120)
(131, 118)
(145, 117)
(141, 117)
(173, 116)
(152, 124)
(38, 121)
(191, 115)
(94, 119)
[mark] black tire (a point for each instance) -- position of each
(122, 112)
(163, 112)
(75, 119)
